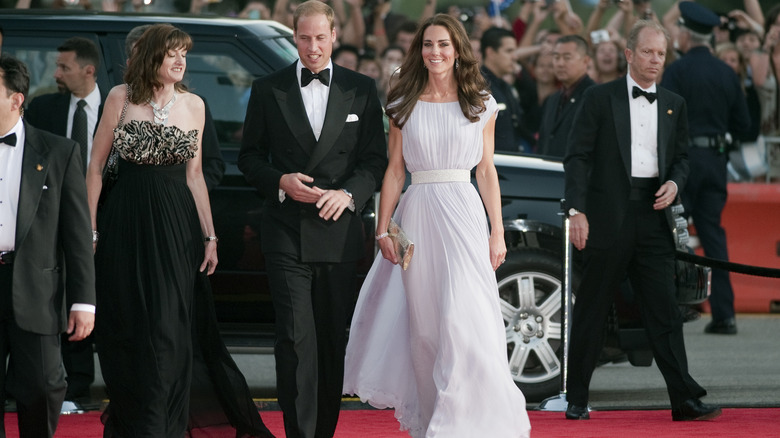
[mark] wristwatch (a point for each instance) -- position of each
(351, 205)
(573, 212)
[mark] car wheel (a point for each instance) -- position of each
(529, 286)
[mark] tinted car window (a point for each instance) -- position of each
(40, 56)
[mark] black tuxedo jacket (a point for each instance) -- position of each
(53, 229)
(351, 154)
(598, 162)
(554, 128)
(50, 112)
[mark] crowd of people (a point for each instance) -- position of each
(372, 38)
(640, 110)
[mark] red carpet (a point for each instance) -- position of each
(603, 424)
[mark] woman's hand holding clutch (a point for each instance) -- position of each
(396, 245)
(388, 249)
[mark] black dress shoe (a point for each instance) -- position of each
(574, 412)
(726, 326)
(694, 410)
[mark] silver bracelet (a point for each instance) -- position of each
(95, 236)
(381, 236)
(210, 239)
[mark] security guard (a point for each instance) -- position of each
(716, 107)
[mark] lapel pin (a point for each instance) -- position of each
(669, 112)
(38, 167)
(573, 100)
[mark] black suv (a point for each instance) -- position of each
(228, 54)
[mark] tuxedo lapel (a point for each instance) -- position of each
(621, 113)
(664, 128)
(339, 103)
(288, 96)
(35, 166)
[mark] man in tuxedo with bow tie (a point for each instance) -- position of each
(73, 112)
(314, 147)
(626, 164)
(47, 274)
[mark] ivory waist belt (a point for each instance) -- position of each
(441, 176)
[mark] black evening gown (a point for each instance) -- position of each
(166, 369)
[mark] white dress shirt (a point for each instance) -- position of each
(315, 99)
(644, 132)
(93, 104)
(10, 182)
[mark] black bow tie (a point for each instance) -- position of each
(307, 76)
(636, 92)
(9, 139)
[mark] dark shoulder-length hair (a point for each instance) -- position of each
(413, 77)
(147, 56)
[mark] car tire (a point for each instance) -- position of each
(530, 293)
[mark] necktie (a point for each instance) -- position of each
(9, 139)
(636, 92)
(307, 76)
(78, 132)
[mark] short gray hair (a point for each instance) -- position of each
(633, 36)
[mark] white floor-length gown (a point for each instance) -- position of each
(430, 341)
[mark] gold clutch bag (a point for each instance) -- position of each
(404, 248)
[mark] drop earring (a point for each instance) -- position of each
(456, 64)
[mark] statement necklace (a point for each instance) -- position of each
(161, 114)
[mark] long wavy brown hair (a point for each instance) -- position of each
(413, 76)
(147, 56)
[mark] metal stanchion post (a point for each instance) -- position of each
(559, 403)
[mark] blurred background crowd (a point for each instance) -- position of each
(373, 36)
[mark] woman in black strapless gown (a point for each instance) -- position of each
(166, 369)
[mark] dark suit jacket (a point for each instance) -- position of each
(555, 127)
(598, 162)
(52, 227)
(350, 154)
(507, 131)
(50, 112)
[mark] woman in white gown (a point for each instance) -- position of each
(430, 341)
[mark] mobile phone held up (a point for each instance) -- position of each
(599, 36)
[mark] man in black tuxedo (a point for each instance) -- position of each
(570, 61)
(46, 264)
(314, 146)
(62, 114)
(626, 163)
(58, 113)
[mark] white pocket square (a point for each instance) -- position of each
(45, 187)
(352, 118)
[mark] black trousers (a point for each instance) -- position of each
(704, 198)
(79, 360)
(34, 377)
(644, 250)
(312, 303)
